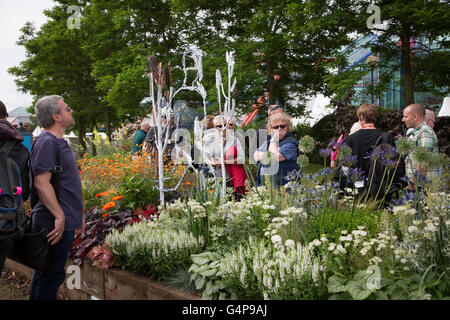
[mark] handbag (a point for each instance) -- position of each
(33, 249)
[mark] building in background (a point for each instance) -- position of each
(393, 97)
(19, 115)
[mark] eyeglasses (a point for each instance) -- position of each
(282, 126)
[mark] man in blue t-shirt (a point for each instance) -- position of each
(59, 207)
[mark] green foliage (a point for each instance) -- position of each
(207, 277)
(157, 252)
(138, 191)
(332, 221)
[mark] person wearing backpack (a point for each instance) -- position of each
(57, 206)
(13, 155)
(364, 139)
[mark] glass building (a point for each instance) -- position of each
(393, 97)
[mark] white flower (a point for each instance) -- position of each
(276, 239)
(331, 247)
(412, 229)
(290, 243)
(344, 232)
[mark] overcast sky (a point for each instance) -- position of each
(13, 15)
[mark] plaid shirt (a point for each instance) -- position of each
(423, 136)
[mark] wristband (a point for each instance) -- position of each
(271, 140)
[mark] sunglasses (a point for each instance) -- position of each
(283, 126)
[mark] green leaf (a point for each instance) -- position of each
(358, 289)
(208, 288)
(214, 264)
(194, 268)
(337, 284)
(340, 296)
(380, 295)
(199, 283)
(200, 260)
(208, 272)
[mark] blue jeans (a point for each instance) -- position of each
(45, 284)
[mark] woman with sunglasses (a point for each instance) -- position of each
(283, 148)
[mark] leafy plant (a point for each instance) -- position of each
(207, 277)
(97, 228)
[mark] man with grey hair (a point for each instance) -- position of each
(56, 193)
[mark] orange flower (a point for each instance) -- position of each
(188, 183)
(109, 205)
(101, 194)
(117, 198)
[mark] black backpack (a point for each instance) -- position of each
(12, 210)
(380, 180)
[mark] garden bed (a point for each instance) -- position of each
(110, 284)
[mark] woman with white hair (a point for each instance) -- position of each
(232, 153)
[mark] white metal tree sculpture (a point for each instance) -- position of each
(162, 132)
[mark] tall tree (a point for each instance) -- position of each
(56, 64)
(121, 35)
(411, 36)
(281, 47)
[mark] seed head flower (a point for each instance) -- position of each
(404, 145)
(306, 144)
(422, 155)
(343, 151)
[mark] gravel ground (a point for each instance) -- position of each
(14, 286)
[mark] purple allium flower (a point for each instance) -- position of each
(325, 153)
(355, 174)
(390, 163)
(350, 160)
(376, 154)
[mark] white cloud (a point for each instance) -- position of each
(13, 15)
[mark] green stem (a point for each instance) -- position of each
(389, 186)
(381, 183)
(370, 184)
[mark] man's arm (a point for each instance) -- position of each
(47, 196)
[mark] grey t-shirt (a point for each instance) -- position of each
(70, 195)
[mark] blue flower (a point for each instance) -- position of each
(350, 160)
(355, 174)
(325, 153)
(390, 163)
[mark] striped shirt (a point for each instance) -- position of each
(423, 136)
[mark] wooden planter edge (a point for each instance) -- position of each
(108, 284)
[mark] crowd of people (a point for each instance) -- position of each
(276, 157)
(59, 206)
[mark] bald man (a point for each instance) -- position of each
(430, 118)
(422, 135)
